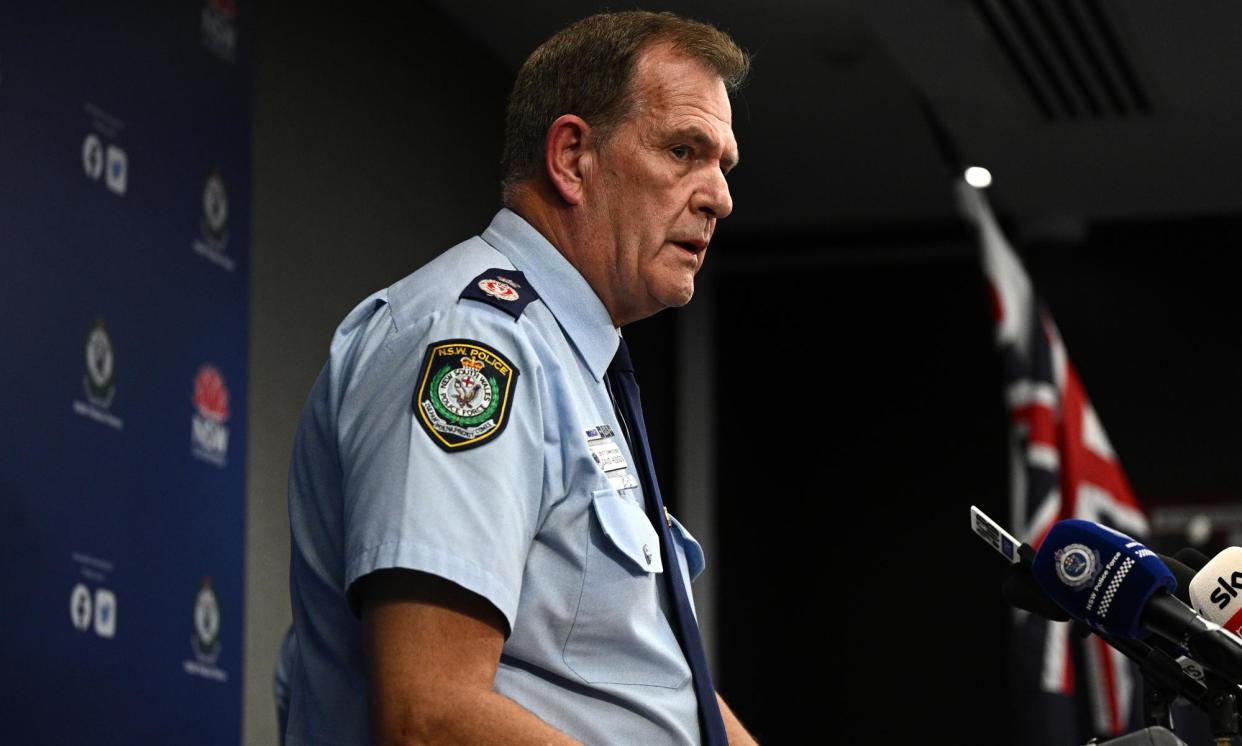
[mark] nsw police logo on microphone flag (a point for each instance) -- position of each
(464, 393)
(1076, 565)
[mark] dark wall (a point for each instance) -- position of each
(861, 415)
(1150, 315)
(376, 146)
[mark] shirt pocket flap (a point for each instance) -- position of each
(695, 561)
(626, 525)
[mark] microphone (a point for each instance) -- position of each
(1192, 558)
(1020, 590)
(1214, 591)
(1100, 576)
(1167, 673)
(1182, 573)
(1118, 586)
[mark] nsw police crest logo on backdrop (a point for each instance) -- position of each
(100, 378)
(464, 393)
(206, 639)
(213, 240)
(215, 208)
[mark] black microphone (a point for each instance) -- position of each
(1165, 669)
(1156, 658)
(1192, 558)
(1117, 585)
(1183, 573)
(1021, 591)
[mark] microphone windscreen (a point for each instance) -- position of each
(1020, 590)
(1192, 558)
(1100, 576)
(1214, 591)
(1182, 573)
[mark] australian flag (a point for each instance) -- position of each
(1068, 688)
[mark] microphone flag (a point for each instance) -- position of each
(1100, 576)
(1215, 590)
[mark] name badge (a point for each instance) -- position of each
(608, 455)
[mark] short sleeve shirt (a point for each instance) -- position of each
(538, 509)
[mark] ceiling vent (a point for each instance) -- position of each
(1068, 56)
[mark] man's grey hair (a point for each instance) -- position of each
(587, 69)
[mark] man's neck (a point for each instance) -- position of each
(555, 223)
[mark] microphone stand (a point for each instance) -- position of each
(1164, 681)
(1221, 706)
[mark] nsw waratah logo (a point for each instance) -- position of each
(209, 433)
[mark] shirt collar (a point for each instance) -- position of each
(561, 287)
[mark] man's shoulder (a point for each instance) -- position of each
(436, 286)
(473, 270)
(424, 294)
(470, 290)
(471, 293)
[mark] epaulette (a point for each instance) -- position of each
(506, 289)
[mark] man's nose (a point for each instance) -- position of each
(713, 198)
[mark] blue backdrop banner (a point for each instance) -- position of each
(124, 227)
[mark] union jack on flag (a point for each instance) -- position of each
(1062, 466)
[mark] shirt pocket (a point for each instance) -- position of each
(620, 633)
(690, 557)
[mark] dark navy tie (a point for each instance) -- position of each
(625, 393)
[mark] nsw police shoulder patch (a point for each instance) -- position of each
(464, 393)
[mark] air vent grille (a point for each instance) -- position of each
(1068, 56)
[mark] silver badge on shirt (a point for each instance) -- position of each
(608, 455)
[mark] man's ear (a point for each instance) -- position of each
(563, 152)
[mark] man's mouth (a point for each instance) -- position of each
(694, 246)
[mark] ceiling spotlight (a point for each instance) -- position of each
(978, 177)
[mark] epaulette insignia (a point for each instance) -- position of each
(464, 393)
(506, 289)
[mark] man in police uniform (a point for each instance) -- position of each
(476, 557)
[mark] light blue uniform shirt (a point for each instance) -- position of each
(529, 520)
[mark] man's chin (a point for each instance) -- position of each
(676, 297)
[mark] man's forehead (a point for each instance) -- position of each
(666, 75)
(683, 94)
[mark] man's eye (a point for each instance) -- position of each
(681, 152)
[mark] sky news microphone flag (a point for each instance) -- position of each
(1062, 466)
(1215, 590)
